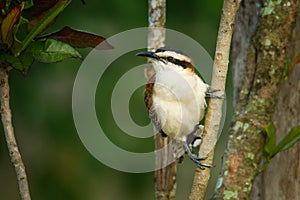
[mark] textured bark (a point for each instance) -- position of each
(262, 71)
(165, 177)
(281, 179)
(245, 27)
(13, 149)
(214, 111)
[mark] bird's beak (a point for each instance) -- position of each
(148, 54)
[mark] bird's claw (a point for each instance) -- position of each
(203, 165)
(210, 94)
(195, 158)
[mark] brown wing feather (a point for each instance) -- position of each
(148, 95)
(149, 102)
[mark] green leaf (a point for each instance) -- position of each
(49, 16)
(21, 63)
(28, 4)
(20, 33)
(12, 3)
(21, 30)
(51, 51)
(289, 140)
(286, 69)
(26, 60)
(12, 60)
(270, 140)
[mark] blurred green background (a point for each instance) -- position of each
(57, 163)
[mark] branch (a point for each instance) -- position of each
(10, 137)
(214, 112)
(165, 178)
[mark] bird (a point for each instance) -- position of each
(175, 98)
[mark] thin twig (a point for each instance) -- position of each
(214, 112)
(14, 153)
(165, 177)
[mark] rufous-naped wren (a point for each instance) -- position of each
(175, 98)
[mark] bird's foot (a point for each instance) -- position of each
(210, 94)
(195, 158)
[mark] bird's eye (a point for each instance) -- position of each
(170, 58)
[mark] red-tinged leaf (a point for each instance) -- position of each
(34, 21)
(78, 39)
(41, 6)
(2, 4)
(8, 23)
(41, 9)
(293, 63)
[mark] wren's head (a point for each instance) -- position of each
(169, 58)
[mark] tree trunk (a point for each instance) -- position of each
(281, 179)
(261, 42)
